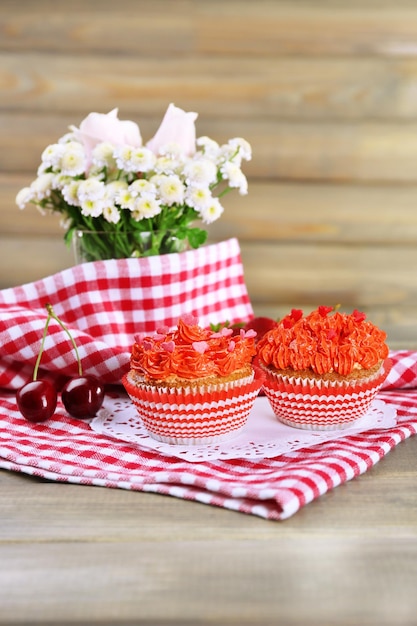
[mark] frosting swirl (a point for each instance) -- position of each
(191, 352)
(323, 343)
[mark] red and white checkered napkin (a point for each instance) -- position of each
(104, 304)
(67, 450)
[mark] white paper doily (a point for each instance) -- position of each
(263, 436)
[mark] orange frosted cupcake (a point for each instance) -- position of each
(191, 385)
(323, 370)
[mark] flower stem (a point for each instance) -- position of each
(51, 313)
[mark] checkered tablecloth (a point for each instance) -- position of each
(104, 304)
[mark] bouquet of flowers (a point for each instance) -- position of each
(132, 199)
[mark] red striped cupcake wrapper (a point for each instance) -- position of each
(182, 416)
(322, 405)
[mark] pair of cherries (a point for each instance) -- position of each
(82, 396)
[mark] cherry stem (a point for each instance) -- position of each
(51, 313)
(38, 360)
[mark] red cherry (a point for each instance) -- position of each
(82, 396)
(261, 325)
(37, 400)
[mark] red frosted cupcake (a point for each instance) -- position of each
(191, 385)
(323, 370)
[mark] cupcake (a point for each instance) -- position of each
(191, 385)
(323, 370)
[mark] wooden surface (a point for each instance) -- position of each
(73, 554)
(324, 91)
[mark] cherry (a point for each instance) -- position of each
(261, 325)
(37, 400)
(83, 396)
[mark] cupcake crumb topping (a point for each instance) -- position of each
(323, 343)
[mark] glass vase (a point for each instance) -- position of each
(92, 245)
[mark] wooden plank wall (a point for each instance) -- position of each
(325, 91)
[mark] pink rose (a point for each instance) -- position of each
(99, 127)
(177, 127)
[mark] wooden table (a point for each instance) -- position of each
(89, 555)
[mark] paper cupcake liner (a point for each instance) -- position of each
(194, 390)
(321, 405)
(193, 416)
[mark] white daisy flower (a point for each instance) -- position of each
(70, 193)
(144, 159)
(212, 211)
(126, 199)
(210, 148)
(198, 197)
(200, 172)
(171, 150)
(24, 196)
(94, 171)
(132, 159)
(142, 187)
(91, 208)
(91, 189)
(61, 180)
(42, 186)
(113, 189)
(235, 176)
(146, 207)
(111, 213)
(73, 161)
(51, 156)
(171, 190)
(166, 165)
(123, 155)
(156, 179)
(102, 155)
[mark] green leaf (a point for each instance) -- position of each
(196, 237)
